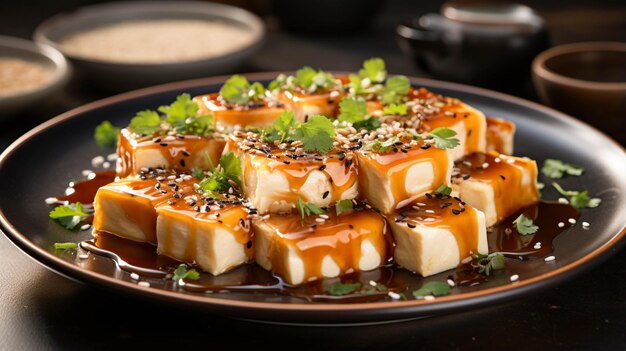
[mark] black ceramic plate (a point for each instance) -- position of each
(42, 162)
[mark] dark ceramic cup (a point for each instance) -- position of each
(490, 46)
(586, 80)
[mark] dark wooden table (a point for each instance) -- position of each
(42, 310)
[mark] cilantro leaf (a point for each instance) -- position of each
(443, 138)
(312, 80)
(69, 216)
(369, 124)
(443, 189)
(218, 182)
(282, 127)
(382, 146)
(432, 289)
(237, 90)
(105, 134)
(524, 225)
(374, 70)
(182, 116)
(578, 199)
(182, 272)
(352, 110)
(555, 169)
(65, 246)
(317, 134)
(197, 173)
(145, 122)
(344, 206)
(355, 85)
(395, 89)
(231, 166)
(307, 208)
(395, 109)
(277, 83)
(339, 289)
(486, 264)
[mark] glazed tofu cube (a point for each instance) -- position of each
(300, 250)
(393, 179)
(126, 208)
(217, 240)
(442, 112)
(496, 184)
(257, 115)
(500, 134)
(181, 153)
(304, 104)
(436, 233)
(274, 178)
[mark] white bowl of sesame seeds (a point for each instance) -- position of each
(121, 46)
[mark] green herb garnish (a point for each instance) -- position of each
(283, 127)
(65, 246)
(374, 70)
(555, 169)
(339, 289)
(382, 146)
(182, 272)
(306, 208)
(219, 182)
(69, 216)
(524, 225)
(486, 264)
(105, 134)
(395, 89)
(369, 124)
(237, 90)
(432, 289)
(443, 138)
(578, 199)
(182, 116)
(395, 110)
(145, 122)
(317, 134)
(344, 206)
(352, 109)
(443, 189)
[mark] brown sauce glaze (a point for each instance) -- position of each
(261, 113)
(85, 190)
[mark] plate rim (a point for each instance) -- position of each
(322, 311)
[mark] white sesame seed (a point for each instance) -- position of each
(467, 259)
(561, 224)
(69, 191)
(324, 216)
(91, 176)
(181, 282)
(429, 297)
(85, 172)
(172, 177)
(112, 157)
(85, 226)
(51, 200)
(549, 259)
(349, 270)
(429, 219)
(563, 200)
(514, 278)
(106, 164)
(372, 283)
(510, 161)
(420, 204)
(187, 178)
(497, 160)
(144, 284)
(320, 220)
(537, 246)
(83, 256)
(586, 225)
(572, 221)
(134, 276)
(97, 161)
(429, 211)
(485, 165)
(451, 283)
(393, 295)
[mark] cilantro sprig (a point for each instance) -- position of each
(105, 135)
(556, 169)
(443, 189)
(374, 70)
(395, 110)
(396, 88)
(486, 264)
(353, 110)
(70, 215)
(382, 147)
(525, 225)
(316, 134)
(306, 208)
(443, 138)
(307, 79)
(373, 80)
(181, 117)
(219, 181)
(65, 246)
(432, 289)
(344, 206)
(237, 90)
(578, 199)
(349, 288)
(182, 272)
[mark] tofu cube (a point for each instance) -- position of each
(499, 185)
(257, 115)
(442, 112)
(274, 178)
(500, 134)
(300, 250)
(304, 104)
(431, 239)
(393, 179)
(217, 241)
(182, 153)
(126, 208)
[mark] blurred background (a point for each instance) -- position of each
(488, 44)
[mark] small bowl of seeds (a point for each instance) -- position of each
(29, 74)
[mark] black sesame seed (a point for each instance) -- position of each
(163, 191)
(322, 167)
(350, 226)
(220, 221)
(446, 204)
(348, 163)
(192, 203)
(207, 208)
(286, 162)
(410, 225)
(455, 211)
(217, 214)
(163, 144)
(182, 162)
(429, 196)
(177, 196)
(249, 244)
(326, 193)
(503, 177)
(466, 177)
(404, 150)
(425, 147)
(157, 186)
(395, 149)
(341, 156)
(196, 208)
(330, 101)
(186, 153)
(157, 140)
